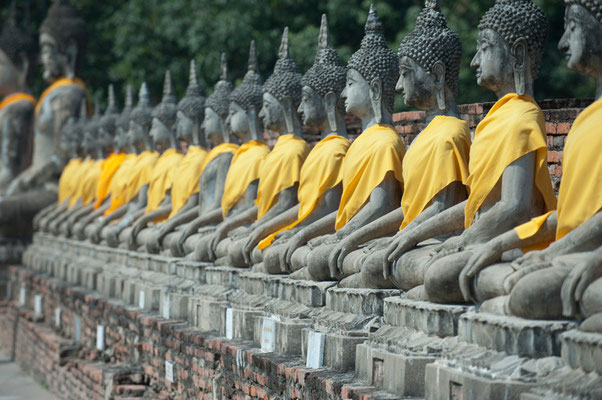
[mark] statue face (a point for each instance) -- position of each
(493, 61)
(238, 121)
(54, 61)
(416, 84)
(136, 135)
(121, 138)
(89, 143)
(184, 127)
(581, 42)
(312, 108)
(10, 75)
(272, 113)
(357, 94)
(160, 134)
(213, 125)
(105, 139)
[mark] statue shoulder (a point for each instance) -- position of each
(66, 97)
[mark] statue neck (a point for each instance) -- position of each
(510, 87)
(292, 125)
(451, 108)
(370, 120)
(340, 127)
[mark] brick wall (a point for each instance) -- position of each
(137, 347)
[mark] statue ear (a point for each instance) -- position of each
(519, 53)
(330, 102)
(438, 71)
(225, 130)
(71, 58)
(252, 116)
(287, 104)
(376, 96)
(24, 68)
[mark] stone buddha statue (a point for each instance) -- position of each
(320, 188)
(279, 173)
(436, 164)
(17, 50)
(105, 127)
(369, 94)
(561, 278)
(184, 193)
(121, 145)
(132, 196)
(62, 42)
(508, 178)
(181, 228)
(157, 190)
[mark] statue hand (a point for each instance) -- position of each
(294, 243)
(131, 240)
(112, 237)
(399, 246)
(523, 267)
(581, 276)
(484, 256)
(330, 238)
(252, 242)
(153, 245)
(453, 245)
(219, 235)
(336, 257)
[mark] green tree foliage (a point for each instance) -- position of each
(136, 40)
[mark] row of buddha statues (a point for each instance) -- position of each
(450, 219)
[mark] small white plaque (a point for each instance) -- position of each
(37, 304)
(100, 337)
(141, 299)
(268, 334)
(229, 324)
(22, 297)
(78, 329)
(315, 350)
(166, 305)
(57, 317)
(169, 371)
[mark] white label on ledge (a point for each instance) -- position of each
(57, 317)
(37, 304)
(169, 371)
(229, 323)
(141, 299)
(315, 350)
(166, 305)
(100, 337)
(22, 297)
(268, 334)
(78, 329)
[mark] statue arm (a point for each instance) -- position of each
(585, 237)
(273, 225)
(513, 207)
(287, 198)
(220, 179)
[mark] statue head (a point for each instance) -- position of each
(282, 93)
(322, 86)
(164, 117)
(216, 108)
(582, 38)
(373, 72)
(62, 41)
(90, 127)
(429, 61)
(245, 101)
(191, 111)
(122, 123)
(140, 121)
(107, 125)
(512, 35)
(17, 52)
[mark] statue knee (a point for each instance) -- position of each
(299, 258)
(317, 263)
(271, 260)
(441, 283)
(372, 272)
(591, 301)
(257, 256)
(235, 254)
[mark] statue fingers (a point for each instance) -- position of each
(464, 281)
(567, 292)
(516, 276)
(591, 273)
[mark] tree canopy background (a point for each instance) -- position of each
(137, 40)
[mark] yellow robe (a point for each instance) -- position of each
(15, 97)
(67, 183)
(244, 169)
(580, 196)
(281, 169)
(162, 178)
(79, 179)
(89, 184)
(436, 158)
(321, 171)
(108, 169)
(187, 175)
(140, 173)
(57, 84)
(216, 151)
(120, 182)
(514, 127)
(370, 157)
